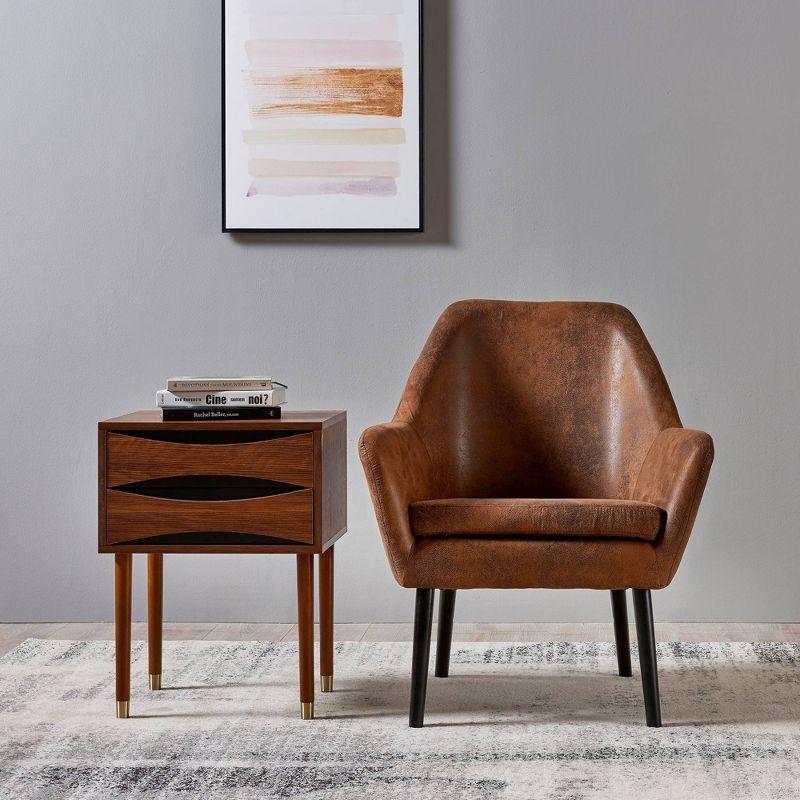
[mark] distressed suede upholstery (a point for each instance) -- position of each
(492, 516)
(535, 445)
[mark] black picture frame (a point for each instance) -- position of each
(421, 206)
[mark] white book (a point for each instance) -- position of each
(231, 399)
(220, 384)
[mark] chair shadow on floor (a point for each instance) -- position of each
(727, 695)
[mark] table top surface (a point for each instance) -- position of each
(305, 420)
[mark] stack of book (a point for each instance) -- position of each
(251, 397)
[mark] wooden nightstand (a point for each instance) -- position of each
(243, 486)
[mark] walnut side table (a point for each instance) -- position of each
(234, 486)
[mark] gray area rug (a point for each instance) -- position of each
(539, 720)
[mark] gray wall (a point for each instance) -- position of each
(640, 152)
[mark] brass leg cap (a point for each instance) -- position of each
(155, 681)
(123, 708)
(326, 683)
(307, 710)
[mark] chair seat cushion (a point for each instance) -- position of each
(479, 516)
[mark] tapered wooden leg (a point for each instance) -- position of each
(305, 632)
(123, 573)
(326, 620)
(155, 616)
(645, 634)
(423, 620)
(619, 607)
(447, 607)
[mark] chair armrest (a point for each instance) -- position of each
(399, 472)
(673, 477)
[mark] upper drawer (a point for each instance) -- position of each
(134, 458)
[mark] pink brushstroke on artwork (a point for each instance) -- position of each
(259, 8)
(264, 53)
(297, 187)
(283, 168)
(341, 26)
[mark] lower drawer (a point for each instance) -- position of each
(285, 517)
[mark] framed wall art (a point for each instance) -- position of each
(322, 115)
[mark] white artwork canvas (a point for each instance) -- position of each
(321, 115)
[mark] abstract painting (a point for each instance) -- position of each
(321, 115)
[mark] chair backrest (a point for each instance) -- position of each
(516, 399)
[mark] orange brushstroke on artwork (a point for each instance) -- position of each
(343, 90)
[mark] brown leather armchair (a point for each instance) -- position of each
(536, 445)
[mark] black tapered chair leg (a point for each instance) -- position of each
(447, 607)
(645, 634)
(423, 620)
(619, 607)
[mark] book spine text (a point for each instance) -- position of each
(211, 414)
(218, 384)
(247, 399)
